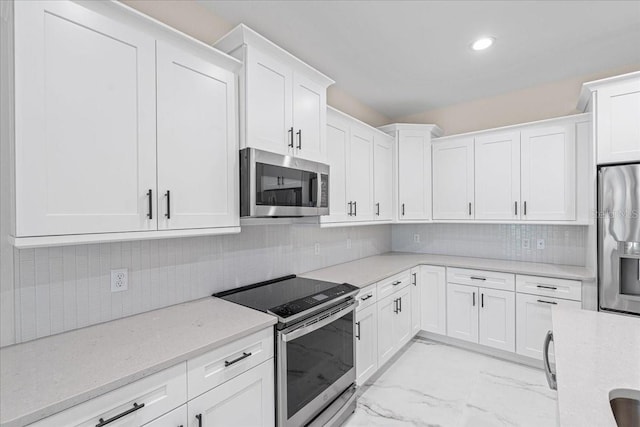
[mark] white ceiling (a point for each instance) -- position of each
(405, 57)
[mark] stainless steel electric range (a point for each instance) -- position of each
(315, 346)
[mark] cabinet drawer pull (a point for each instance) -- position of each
(291, 137)
(395, 306)
(400, 303)
(244, 356)
(377, 209)
(403, 209)
(525, 207)
(350, 208)
(482, 300)
(469, 208)
(358, 330)
(299, 133)
(474, 299)
(553, 288)
(199, 418)
(478, 278)
(103, 422)
(548, 302)
(415, 279)
(168, 214)
(516, 204)
(366, 297)
(150, 211)
(396, 283)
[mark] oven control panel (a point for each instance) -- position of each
(303, 304)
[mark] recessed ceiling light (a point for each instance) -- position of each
(482, 43)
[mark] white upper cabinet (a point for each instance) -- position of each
(616, 104)
(497, 176)
(309, 118)
(268, 99)
(197, 142)
(85, 122)
(383, 177)
(453, 179)
(548, 172)
(413, 177)
(360, 158)
(110, 132)
(282, 100)
(360, 173)
(338, 159)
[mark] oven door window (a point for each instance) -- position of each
(317, 360)
(281, 186)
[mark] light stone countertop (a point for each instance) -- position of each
(48, 375)
(366, 271)
(594, 353)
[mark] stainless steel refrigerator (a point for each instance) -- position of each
(619, 238)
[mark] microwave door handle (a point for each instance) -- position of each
(297, 333)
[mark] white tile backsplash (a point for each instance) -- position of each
(564, 244)
(63, 288)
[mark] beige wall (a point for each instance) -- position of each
(521, 106)
(201, 23)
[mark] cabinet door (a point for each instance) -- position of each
(533, 320)
(366, 343)
(433, 299)
(383, 177)
(246, 400)
(387, 346)
(402, 321)
(176, 418)
(85, 122)
(497, 176)
(617, 123)
(462, 312)
(360, 173)
(197, 148)
(309, 119)
(416, 300)
(338, 159)
(548, 173)
(453, 196)
(414, 176)
(269, 104)
(497, 319)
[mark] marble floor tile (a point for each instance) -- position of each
(432, 384)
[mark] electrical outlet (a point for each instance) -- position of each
(316, 249)
(348, 243)
(416, 238)
(525, 244)
(540, 244)
(119, 280)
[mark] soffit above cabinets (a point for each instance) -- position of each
(405, 57)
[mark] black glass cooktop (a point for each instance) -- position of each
(286, 296)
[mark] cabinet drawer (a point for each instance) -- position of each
(212, 369)
(366, 297)
(160, 393)
(485, 279)
(547, 286)
(393, 284)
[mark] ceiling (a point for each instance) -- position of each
(405, 57)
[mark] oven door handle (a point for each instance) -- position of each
(296, 333)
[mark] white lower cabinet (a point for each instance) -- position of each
(534, 320)
(416, 300)
(246, 400)
(394, 323)
(481, 315)
(176, 418)
(366, 343)
(462, 312)
(497, 319)
(433, 299)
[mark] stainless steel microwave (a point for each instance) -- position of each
(274, 185)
